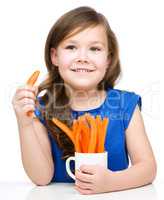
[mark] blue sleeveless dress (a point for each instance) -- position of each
(118, 106)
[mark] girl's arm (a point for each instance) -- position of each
(143, 169)
(35, 146)
(36, 152)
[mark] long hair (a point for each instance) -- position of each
(55, 99)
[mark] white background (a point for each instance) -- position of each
(24, 26)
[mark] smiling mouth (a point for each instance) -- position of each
(82, 70)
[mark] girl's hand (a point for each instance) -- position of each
(92, 179)
(24, 101)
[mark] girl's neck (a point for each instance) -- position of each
(84, 100)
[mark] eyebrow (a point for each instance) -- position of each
(92, 42)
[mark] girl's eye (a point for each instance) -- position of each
(72, 47)
(95, 49)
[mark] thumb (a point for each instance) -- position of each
(36, 90)
(88, 169)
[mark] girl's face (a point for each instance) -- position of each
(83, 58)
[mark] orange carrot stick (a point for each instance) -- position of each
(103, 135)
(85, 138)
(64, 128)
(82, 142)
(85, 134)
(33, 78)
(31, 81)
(93, 133)
(78, 139)
(99, 129)
(74, 127)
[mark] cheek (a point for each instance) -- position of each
(65, 60)
(101, 62)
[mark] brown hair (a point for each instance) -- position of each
(55, 98)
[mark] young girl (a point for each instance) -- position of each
(82, 58)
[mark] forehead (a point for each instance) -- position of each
(91, 34)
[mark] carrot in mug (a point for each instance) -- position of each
(74, 127)
(99, 135)
(79, 136)
(64, 128)
(31, 81)
(85, 138)
(93, 133)
(76, 134)
(103, 135)
(78, 139)
(85, 134)
(82, 142)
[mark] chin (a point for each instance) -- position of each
(82, 84)
(83, 87)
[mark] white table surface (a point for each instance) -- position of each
(27, 191)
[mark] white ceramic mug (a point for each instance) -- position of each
(86, 158)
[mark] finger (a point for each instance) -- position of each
(83, 191)
(83, 177)
(26, 87)
(26, 101)
(25, 94)
(21, 103)
(83, 185)
(36, 90)
(28, 108)
(89, 169)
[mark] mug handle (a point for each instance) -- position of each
(68, 167)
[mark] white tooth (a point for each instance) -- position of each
(82, 70)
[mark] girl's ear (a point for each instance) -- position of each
(108, 62)
(54, 57)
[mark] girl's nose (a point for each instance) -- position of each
(82, 56)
